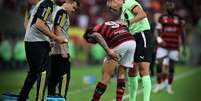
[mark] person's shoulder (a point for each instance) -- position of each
(180, 18)
(46, 2)
(130, 3)
(59, 10)
(177, 15)
(164, 16)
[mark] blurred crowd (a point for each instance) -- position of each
(90, 13)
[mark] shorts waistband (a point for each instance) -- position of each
(141, 32)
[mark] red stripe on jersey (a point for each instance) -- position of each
(103, 29)
(169, 34)
(107, 33)
(96, 28)
(172, 45)
(117, 29)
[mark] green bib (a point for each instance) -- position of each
(135, 27)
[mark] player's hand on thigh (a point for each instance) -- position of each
(112, 55)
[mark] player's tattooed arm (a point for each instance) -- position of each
(102, 42)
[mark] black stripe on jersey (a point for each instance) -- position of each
(119, 29)
(58, 17)
(103, 29)
(106, 30)
(171, 25)
(173, 37)
(170, 33)
(172, 42)
(99, 29)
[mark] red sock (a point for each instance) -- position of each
(100, 89)
(120, 89)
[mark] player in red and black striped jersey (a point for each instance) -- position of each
(171, 36)
(170, 30)
(113, 33)
(120, 46)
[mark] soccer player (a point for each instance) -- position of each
(60, 58)
(29, 9)
(171, 36)
(37, 48)
(120, 46)
(135, 18)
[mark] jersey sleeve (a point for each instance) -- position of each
(131, 4)
(44, 10)
(60, 18)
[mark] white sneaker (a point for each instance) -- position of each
(169, 90)
(164, 84)
(157, 88)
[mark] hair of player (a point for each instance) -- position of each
(78, 3)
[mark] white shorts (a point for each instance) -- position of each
(171, 54)
(166, 61)
(125, 52)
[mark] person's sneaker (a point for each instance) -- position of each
(157, 88)
(164, 84)
(169, 89)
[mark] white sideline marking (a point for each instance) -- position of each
(80, 90)
(177, 77)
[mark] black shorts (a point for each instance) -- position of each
(60, 65)
(37, 54)
(144, 46)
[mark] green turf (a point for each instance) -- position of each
(186, 87)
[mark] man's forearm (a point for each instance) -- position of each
(137, 18)
(42, 27)
(102, 42)
(140, 14)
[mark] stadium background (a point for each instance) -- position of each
(86, 59)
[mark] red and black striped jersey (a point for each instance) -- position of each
(170, 27)
(113, 33)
